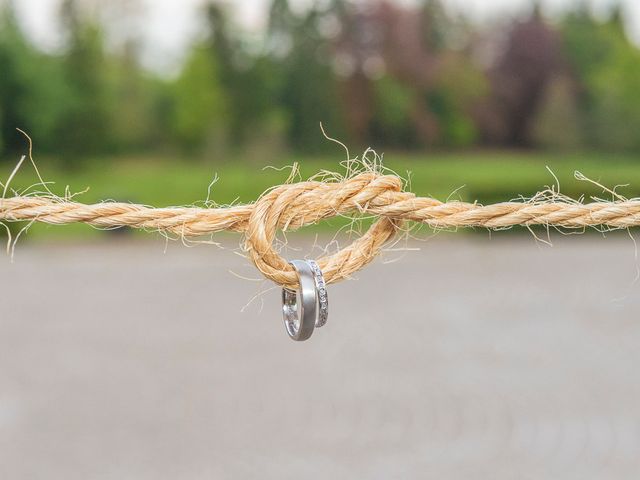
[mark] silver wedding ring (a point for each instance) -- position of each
(323, 299)
(300, 324)
(305, 308)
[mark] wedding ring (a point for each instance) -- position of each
(323, 299)
(300, 315)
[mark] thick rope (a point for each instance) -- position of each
(292, 206)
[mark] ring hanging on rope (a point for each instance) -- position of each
(274, 210)
(323, 300)
(300, 316)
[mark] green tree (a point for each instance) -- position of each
(132, 94)
(607, 66)
(14, 87)
(458, 87)
(394, 104)
(308, 90)
(200, 102)
(455, 83)
(85, 127)
(557, 124)
(247, 76)
(30, 87)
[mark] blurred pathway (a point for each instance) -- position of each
(470, 359)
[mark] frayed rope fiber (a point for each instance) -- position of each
(291, 206)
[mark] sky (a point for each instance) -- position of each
(166, 27)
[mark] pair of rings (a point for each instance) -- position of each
(308, 307)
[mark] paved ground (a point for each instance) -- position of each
(470, 359)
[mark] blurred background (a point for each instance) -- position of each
(480, 356)
(150, 101)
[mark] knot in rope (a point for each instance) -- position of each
(292, 206)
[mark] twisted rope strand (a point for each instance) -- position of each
(292, 206)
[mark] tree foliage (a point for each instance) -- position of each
(199, 100)
(30, 82)
(388, 74)
(607, 66)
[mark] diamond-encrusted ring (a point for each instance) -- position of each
(300, 324)
(323, 299)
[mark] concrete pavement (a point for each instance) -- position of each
(471, 358)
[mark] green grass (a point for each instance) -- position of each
(485, 177)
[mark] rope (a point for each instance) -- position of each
(291, 206)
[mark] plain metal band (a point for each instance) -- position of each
(308, 301)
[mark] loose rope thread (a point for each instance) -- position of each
(291, 206)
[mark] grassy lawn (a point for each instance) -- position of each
(485, 177)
